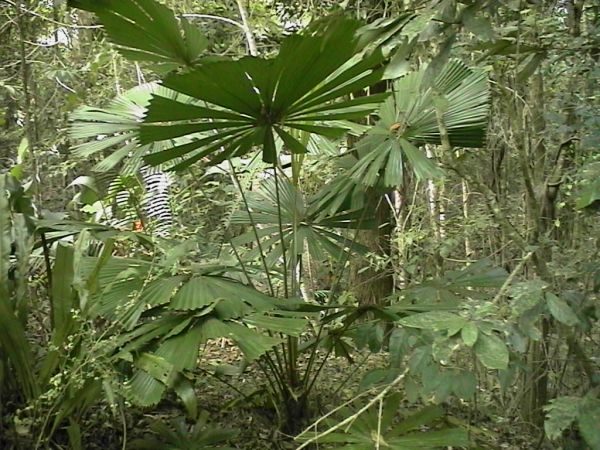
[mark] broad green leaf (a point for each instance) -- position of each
(377, 377)
(145, 30)
(590, 195)
(424, 417)
(144, 389)
(560, 414)
(185, 391)
(285, 325)
(158, 367)
(260, 98)
(434, 320)
(118, 123)
(160, 291)
(63, 295)
(469, 334)
(526, 295)
(450, 437)
(370, 335)
(409, 120)
(13, 340)
(181, 349)
(303, 224)
(560, 310)
(481, 273)
(63, 298)
(422, 166)
(492, 351)
(204, 290)
(529, 320)
(253, 344)
(589, 418)
(464, 385)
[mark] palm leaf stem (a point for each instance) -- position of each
(280, 224)
(281, 365)
(241, 263)
(253, 224)
(277, 384)
(332, 292)
(292, 350)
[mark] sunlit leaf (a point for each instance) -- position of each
(491, 351)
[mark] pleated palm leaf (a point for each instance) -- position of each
(112, 131)
(423, 429)
(252, 101)
(169, 318)
(278, 201)
(145, 30)
(459, 96)
(410, 119)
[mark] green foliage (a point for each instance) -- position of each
(492, 351)
(435, 320)
(589, 195)
(176, 435)
(437, 327)
(145, 30)
(303, 226)
(67, 380)
(168, 317)
(457, 100)
(410, 118)
(250, 102)
(14, 346)
(118, 123)
(562, 412)
(378, 428)
(148, 311)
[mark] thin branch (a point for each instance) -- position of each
(247, 29)
(212, 17)
(353, 417)
(63, 85)
(48, 19)
(511, 277)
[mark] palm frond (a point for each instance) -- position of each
(302, 224)
(145, 30)
(252, 102)
(409, 119)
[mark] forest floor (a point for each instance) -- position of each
(256, 421)
(240, 402)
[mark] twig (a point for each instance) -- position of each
(511, 277)
(62, 24)
(210, 16)
(247, 29)
(353, 417)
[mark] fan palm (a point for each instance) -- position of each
(112, 130)
(280, 202)
(169, 317)
(145, 30)
(252, 101)
(458, 97)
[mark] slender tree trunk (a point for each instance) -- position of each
(252, 48)
(369, 285)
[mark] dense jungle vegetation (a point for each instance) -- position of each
(298, 224)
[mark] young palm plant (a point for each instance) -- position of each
(224, 109)
(215, 110)
(452, 110)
